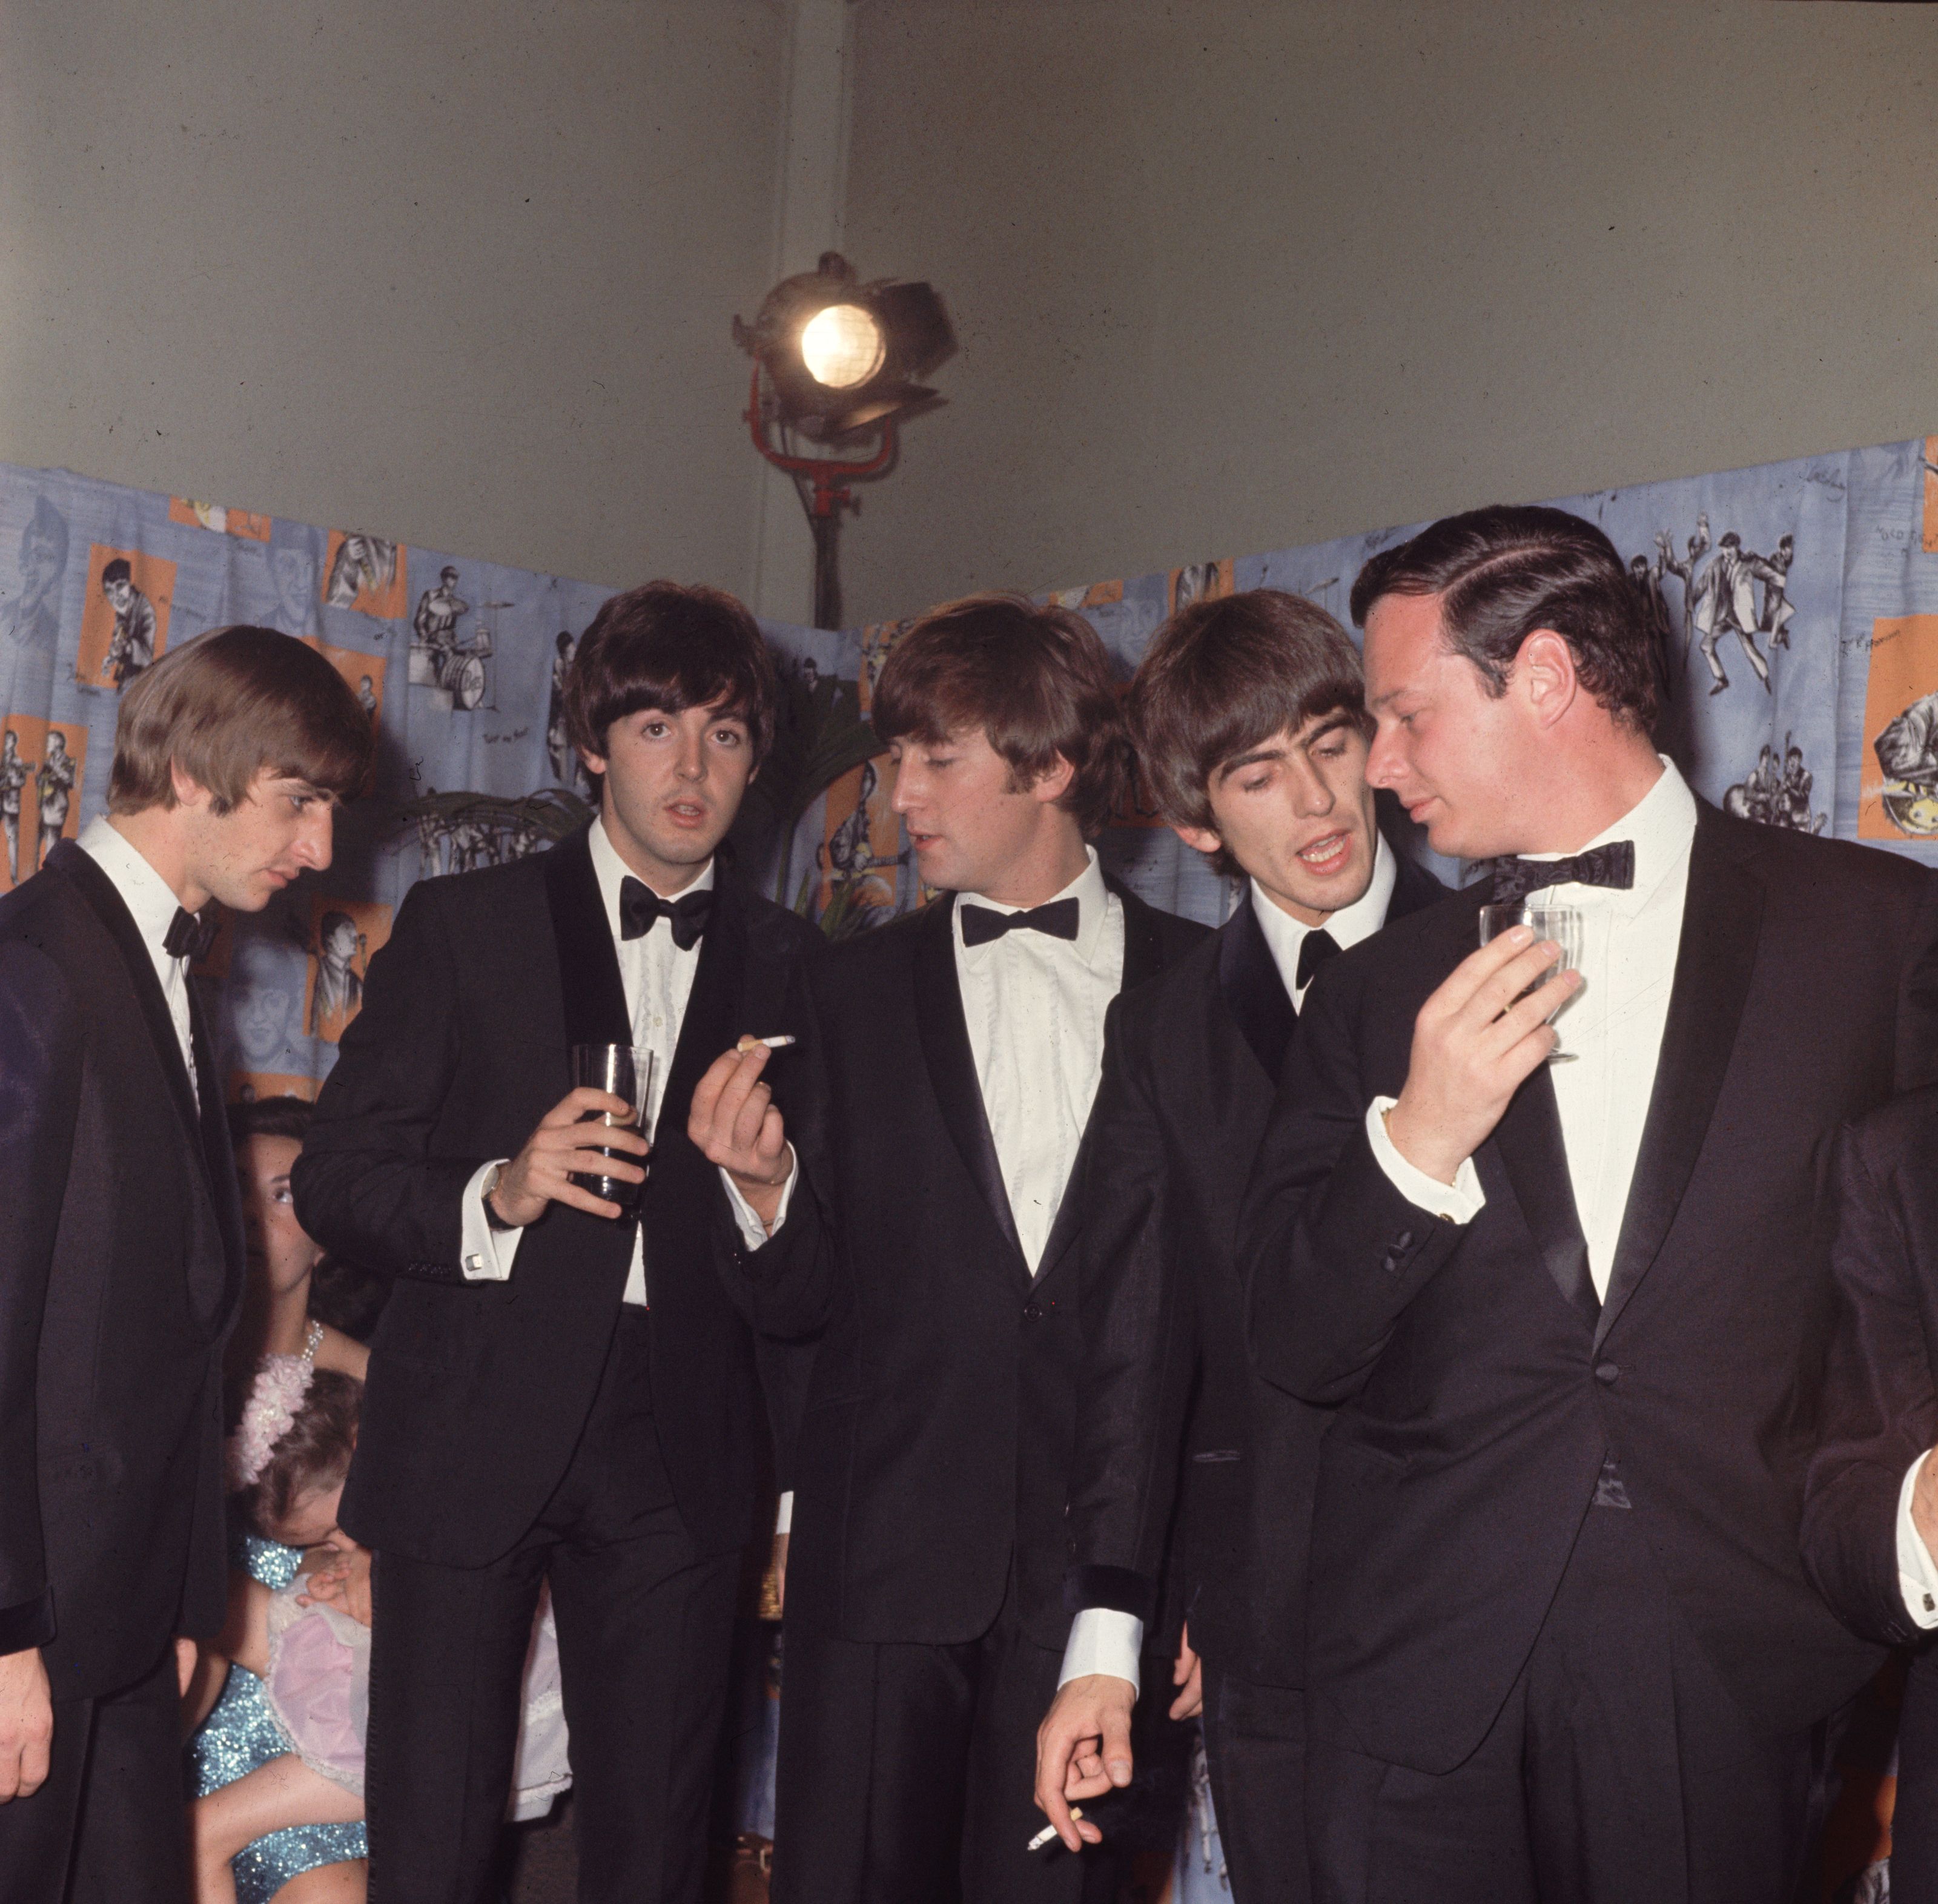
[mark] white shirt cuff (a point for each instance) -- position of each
(1460, 1201)
(1103, 1640)
(1916, 1577)
(784, 1514)
(485, 1254)
(753, 1232)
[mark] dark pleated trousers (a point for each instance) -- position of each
(1621, 1771)
(644, 1635)
(109, 1826)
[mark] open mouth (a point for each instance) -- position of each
(1328, 855)
(686, 813)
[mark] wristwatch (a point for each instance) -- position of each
(491, 1215)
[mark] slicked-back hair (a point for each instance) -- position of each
(671, 647)
(1223, 677)
(1503, 572)
(1036, 680)
(230, 705)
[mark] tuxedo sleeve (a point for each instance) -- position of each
(1880, 1407)
(1140, 1348)
(1331, 1250)
(368, 1185)
(41, 1064)
(781, 1282)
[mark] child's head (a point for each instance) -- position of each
(290, 1455)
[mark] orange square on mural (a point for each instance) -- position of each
(1898, 785)
(364, 572)
(363, 673)
(213, 515)
(42, 764)
(124, 621)
(1931, 496)
(344, 934)
(861, 842)
(252, 1087)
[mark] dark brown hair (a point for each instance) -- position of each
(673, 648)
(1037, 680)
(271, 1117)
(1223, 677)
(228, 705)
(312, 1454)
(1503, 571)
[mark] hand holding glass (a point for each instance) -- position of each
(1561, 925)
(626, 1072)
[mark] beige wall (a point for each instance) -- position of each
(460, 270)
(1231, 277)
(1228, 277)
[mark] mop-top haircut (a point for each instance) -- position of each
(1036, 680)
(1221, 678)
(229, 706)
(1503, 572)
(672, 648)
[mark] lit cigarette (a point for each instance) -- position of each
(1048, 1832)
(779, 1043)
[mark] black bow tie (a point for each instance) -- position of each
(981, 923)
(1612, 865)
(1314, 949)
(191, 934)
(639, 906)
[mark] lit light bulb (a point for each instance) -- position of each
(842, 346)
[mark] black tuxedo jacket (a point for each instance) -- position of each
(1191, 1067)
(477, 1391)
(1480, 1386)
(121, 1265)
(935, 1447)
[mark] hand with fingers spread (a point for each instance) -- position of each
(733, 1122)
(1083, 1750)
(563, 1143)
(26, 1723)
(1475, 1042)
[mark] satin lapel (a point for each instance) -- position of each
(98, 891)
(1254, 994)
(1528, 1144)
(590, 989)
(1721, 918)
(707, 1027)
(216, 1306)
(944, 1032)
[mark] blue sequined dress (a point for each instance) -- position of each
(241, 1734)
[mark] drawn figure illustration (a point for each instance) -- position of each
(54, 783)
(1725, 599)
(1776, 792)
(1773, 571)
(14, 775)
(565, 768)
(1684, 568)
(1907, 750)
(263, 1003)
(131, 647)
(338, 993)
(366, 696)
(364, 565)
(438, 658)
(293, 572)
(33, 625)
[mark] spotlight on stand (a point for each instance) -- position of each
(833, 359)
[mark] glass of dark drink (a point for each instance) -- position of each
(626, 1072)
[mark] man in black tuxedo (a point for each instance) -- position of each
(1870, 1509)
(1560, 1643)
(929, 1236)
(559, 1389)
(121, 1253)
(1250, 714)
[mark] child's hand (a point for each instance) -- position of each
(343, 1583)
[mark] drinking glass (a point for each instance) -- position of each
(626, 1071)
(1561, 923)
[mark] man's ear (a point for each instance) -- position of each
(595, 763)
(188, 792)
(1201, 839)
(1544, 671)
(1050, 786)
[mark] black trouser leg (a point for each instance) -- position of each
(1255, 1748)
(109, 1826)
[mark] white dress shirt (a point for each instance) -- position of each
(1613, 1027)
(658, 976)
(152, 901)
(1285, 936)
